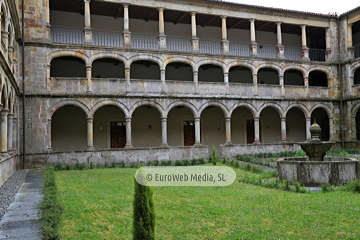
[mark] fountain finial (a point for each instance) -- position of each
(315, 131)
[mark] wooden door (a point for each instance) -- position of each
(250, 131)
(117, 134)
(189, 133)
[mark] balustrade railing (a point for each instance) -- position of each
(317, 54)
(267, 51)
(239, 49)
(107, 38)
(144, 41)
(292, 53)
(178, 44)
(67, 35)
(210, 46)
(357, 51)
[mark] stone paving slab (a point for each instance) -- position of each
(21, 221)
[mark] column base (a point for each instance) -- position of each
(90, 148)
(164, 145)
(162, 42)
(351, 52)
(228, 143)
(253, 49)
(128, 147)
(225, 47)
(195, 45)
(305, 54)
(280, 52)
(256, 142)
(127, 39)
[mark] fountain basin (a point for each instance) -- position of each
(333, 170)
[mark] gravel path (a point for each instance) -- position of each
(9, 189)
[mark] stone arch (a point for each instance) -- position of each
(144, 57)
(67, 53)
(298, 68)
(246, 105)
(11, 100)
(355, 66)
(303, 108)
(272, 66)
(63, 103)
(182, 103)
(240, 64)
(277, 107)
(112, 55)
(5, 95)
(355, 109)
(216, 104)
(210, 61)
(103, 103)
(179, 59)
(325, 107)
(154, 104)
(321, 69)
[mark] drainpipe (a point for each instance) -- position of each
(23, 80)
(341, 86)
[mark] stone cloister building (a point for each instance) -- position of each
(135, 80)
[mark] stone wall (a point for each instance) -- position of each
(8, 165)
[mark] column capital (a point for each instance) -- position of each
(227, 118)
(193, 13)
(278, 23)
(197, 118)
(283, 118)
(303, 26)
(87, 1)
(161, 9)
(308, 118)
(4, 112)
(350, 24)
(223, 16)
(128, 119)
(88, 67)
(126, 4)
(10, 115)
(256, 118)
(49, 119)
(252, 19)
(164, 119)
(90, 119)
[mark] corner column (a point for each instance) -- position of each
(280, 47)
(228, 130)
(89, 87)
(4, 130)
(283, 129)
(194, 38)
(48, 78)
(226, 81)
(257, 130)
(350, 47)
(197, 131)
(331, 129)
(196, 81)
(164, 142)
(128, 82)
(126, 32)
(48, 133)
(87, 29)
(128, 133)
(306, 84)
(328, 44)
(256, 87)
(10, 119)
(281, 83)
(47, 20)
(304, 49)
(224, 42)
(253, 44)
(162, 36)
(308, 125)
(162, 77)
(90, 137)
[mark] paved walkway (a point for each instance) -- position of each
(21, 221)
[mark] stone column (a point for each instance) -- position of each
(15, 133)
(5, 39)
(128, 133)
(10, 119)
(194, 38)
(281, 83)
(350, 47)
(256, 87)
(304, 49)
(196, 81)
(87, 29)
(128, 82)
(3, 130)
(283, 129)
(253, 44)
(353, 130)
(164, 142)
(331, 129)
(89, 87)
(126, 32)
(228, 130)
(257, 130)
(224, 42)
(306, 84)
(280, 47)
(226, 81)
(90, 138)
(47, 20)
(308, 125)
(328, 44)
(48, 133)
(162, 36)
(48, 78)
(11, 56)
(197, 131)
(162, 78)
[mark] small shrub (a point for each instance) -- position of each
(178, 163)
(186, 162)
(58, 167)
(353, 186)
(155, 163)
(214, 157)
(68, 167)
(256, 169)
(113, 165)
(91, 165)
(163, 163)
(201, 161)
(168, 163)
(327, 188)
(106, 165)
(194, 162)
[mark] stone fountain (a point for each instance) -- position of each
(316, 169)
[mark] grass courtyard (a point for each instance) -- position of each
(98, 205)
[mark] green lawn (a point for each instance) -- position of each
(98, 205)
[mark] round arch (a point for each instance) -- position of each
(355, 110)
(240, 64)
(112, 55)
(216, 104)
(151, 58)
(184, 60)
(355, 66)
(272, 66)
(154, 104)
(295, 67)
(103, 103)
(246, 105)
(320, 69)
(324, 107)
(63, 103)
(299, 106)
(211, 62)
(66, 53)
(182, 103)
(277, 107)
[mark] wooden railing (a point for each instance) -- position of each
(144, 41)
(239, 49)
(178, 44)
(107, 38)
(209, 46)
(67, 35)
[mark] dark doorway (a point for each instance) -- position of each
(117, 134)
(189, 133)
(250, 133)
